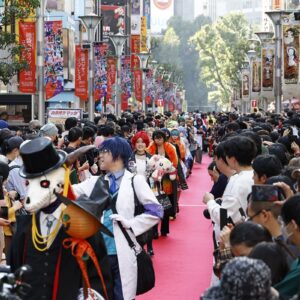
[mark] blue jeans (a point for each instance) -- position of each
(115, 271)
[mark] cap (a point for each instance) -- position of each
(14, 142)
(48, 130)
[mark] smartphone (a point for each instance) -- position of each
(265, 193)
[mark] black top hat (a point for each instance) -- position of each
(40, 157)
(92, 207)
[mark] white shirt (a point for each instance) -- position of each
(55, 216)
(235, 197)
(141, 165)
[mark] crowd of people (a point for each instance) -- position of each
(147, 158)
(254, 206)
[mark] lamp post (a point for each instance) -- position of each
(245, 68)
(91, 22)
(118, 41)
(275, 17)
(251, 54)
(144, 56)
(40, 61)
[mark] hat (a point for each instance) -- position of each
(14, 142)
(48, 130)
(82, 217)
(3, 124)
(40, 157)
(242, 278)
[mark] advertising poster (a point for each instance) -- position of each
(125, 77)
(291, 53)
(246, 84)
(161, 12)
(144, 47)
(135, 16)
(256, 76)
(100, 75)
(53, 59)
(147, 12)
(267, 68)
(81, 72)
(111, 75)
(27, 38)
(135, 67)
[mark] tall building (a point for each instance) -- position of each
(185, 9)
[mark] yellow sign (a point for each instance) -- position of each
(144, 47)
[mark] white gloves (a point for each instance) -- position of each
(125, 222)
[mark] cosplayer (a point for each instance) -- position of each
(114, 155)
(45, 240)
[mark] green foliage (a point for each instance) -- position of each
(222, 48)
(180, 57)
(10, 49)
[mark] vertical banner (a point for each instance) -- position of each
(135, 16)
(267, 68)
(135, 67)
(81, 72)
(291, 53)
(256, 76)
(125, 81)
(27, 39)
(111, 76)
(53, 59)
(144, 47)
(246, 84)
(147, 12)
(100, 72)
(277, 4)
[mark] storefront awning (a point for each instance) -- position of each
(63, 97)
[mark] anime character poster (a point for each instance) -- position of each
(100, 75)
(135, 16)
(111, 76)
(147, 12)
(256, 76)
(267, 68)
(125, 80)
(53, 58)
(27, 78)
(291, 53)
(245, 84)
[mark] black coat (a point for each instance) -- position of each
(56, 260)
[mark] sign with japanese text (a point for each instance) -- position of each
(81, 72)
(58, 116)
(27, 78)
(144, 47)
(100, 75)
(111, 75)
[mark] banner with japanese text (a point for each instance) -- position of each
(147, 12)
(135, 67)
(291, 53)
(81, 72)
(144, 47)
(267, 68)
(135, 16)
(27, 80)
(245, 84)
(125, 79)
(256, 76)
(100, 72)
(111, 76)
(53, 59)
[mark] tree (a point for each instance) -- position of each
(11, 62)
(222, 48)
(175, 52)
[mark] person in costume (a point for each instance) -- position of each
(41, 241)
(114, 155)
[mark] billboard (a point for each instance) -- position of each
(161, 12)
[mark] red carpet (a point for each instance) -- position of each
(183, 260)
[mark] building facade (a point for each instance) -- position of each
(184, 9)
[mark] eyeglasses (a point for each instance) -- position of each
(249, 219)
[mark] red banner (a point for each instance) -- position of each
(111, 75)
(27, 78)
(81, 72)
(124, 101)
(135, 66)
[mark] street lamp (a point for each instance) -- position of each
(264, 35)
(91, 22)
(251, 54)
(118, 41)
(144, 57)
(275, 17)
